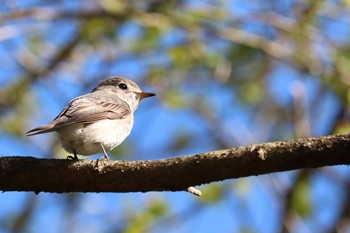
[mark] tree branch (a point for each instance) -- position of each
(174, 174)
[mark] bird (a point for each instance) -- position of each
(99, 121)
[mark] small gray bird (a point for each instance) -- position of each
(99, 121)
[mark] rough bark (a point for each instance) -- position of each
(18, 173)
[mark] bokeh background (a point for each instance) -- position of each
(226, 74)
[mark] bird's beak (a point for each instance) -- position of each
(145, 94)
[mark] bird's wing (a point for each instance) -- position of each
(87, 109)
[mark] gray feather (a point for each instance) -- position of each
(87, 109)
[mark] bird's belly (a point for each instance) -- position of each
(85, 139)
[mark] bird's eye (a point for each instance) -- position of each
(122, 86)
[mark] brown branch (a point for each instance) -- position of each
(271, 48)
(175, 174)
(51, 13)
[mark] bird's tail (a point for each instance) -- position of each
(41, 129)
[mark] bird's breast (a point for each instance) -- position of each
(85, 139)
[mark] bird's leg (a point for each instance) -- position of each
(104, 152)
(75, 156)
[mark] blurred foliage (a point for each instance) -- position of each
(226, 73)
(301, 200)
(140, 222)
(212, 193)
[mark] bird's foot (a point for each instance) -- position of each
(72, 157)
(105, 155)
(75, 157)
